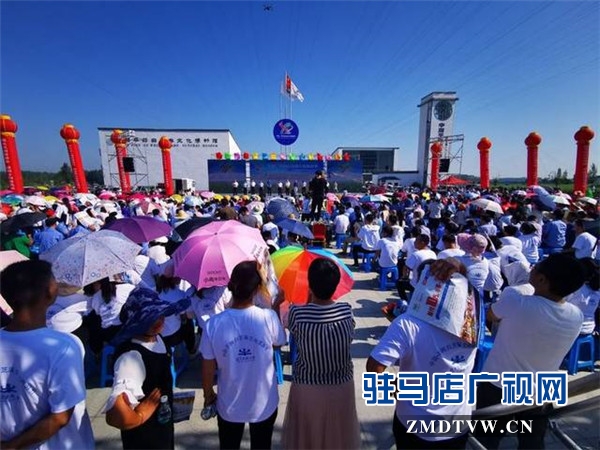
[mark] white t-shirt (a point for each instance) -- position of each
(66, 313)
(530, 242)
(213, 301)
(511, 240)
(271, 228)
(398, 234)
(417, 346)
(409, 247)
(147, 269)
(414, 261)
(173, 322)
(241, 341)
(534, 334)
(389, 252)
(341, 224)
(477, 270)
(451, 253)
(41, 372)
(109, 312)
(369, 235)
(584, 246)
(587, 301)
(130, 374)
(158, 253)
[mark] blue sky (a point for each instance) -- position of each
(362, 67)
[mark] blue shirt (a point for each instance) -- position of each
(553, 234)
(48, 239)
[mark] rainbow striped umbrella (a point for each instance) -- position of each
(291, 267)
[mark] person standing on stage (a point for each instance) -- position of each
(317, 188)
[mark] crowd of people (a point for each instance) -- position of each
(537, 272)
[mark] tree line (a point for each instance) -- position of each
(60, 178)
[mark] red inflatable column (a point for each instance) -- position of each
(71, 136)
(583, 137)
(436, 153)
(484, 146)
(532, 141)
(8, 128)
(165, 147)
(120, 142)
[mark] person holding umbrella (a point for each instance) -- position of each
(239, 342)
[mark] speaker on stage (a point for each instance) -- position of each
(444, 165)
(128, 164)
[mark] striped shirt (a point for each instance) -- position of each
(323, 335)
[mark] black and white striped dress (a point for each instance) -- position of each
(321, 409)
(323, 335)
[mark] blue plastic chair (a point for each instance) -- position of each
(106, 365)
(484, 342)
(576, 358)
(384, 282)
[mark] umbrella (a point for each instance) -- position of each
(186, 228)
(291, 267)
(260, 207)
(140, 228)
(106, 195)
(83, 259)
(192, 201)
(295, 226)
(13, 199)
(207, 194)
(208, 255)
(178, 198)
(35, 200)
(280, 208)
(148, 207)
(84, 197)
(560, 200)
(51, 199)
(7, 258)
(488, 205)
(20, 221)
(519, 193)
(374, 198)
(588, 200)
(351, 199)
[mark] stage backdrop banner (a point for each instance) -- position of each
(347, 174)
(277, 171)
(222, 173)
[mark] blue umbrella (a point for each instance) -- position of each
(296, 227)
(374, 198)
(280, 208)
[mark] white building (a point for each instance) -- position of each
(189, 155)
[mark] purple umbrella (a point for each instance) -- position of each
(140, 228)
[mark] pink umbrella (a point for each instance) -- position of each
(148, 207)
(208, 255)
(141, 228)
(106, 195)
(207, 194)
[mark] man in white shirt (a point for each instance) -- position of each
(585, 244)
(41, 370)
(451, 249)
(368, 235)
(509, 238)
(410, 269)
(535, 333)
(342, 221)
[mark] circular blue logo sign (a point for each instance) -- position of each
(286, 131)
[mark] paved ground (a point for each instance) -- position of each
(375, 421)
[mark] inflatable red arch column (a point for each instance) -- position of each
(8, 128)
(120, 142)
(484, 146)
(583, 137)
(71, 136)
(532, 141)
(436, 153)
(165, 147)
